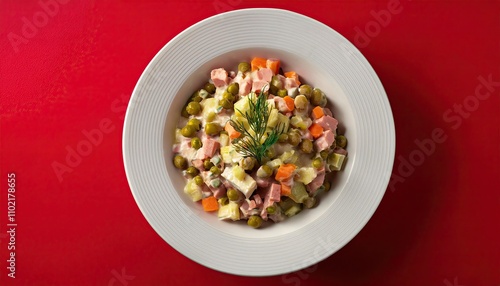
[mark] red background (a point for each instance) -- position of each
(437, 225)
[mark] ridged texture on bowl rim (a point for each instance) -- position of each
(372, 165)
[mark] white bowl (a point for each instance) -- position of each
(322, 58)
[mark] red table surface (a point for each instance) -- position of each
(69, 67)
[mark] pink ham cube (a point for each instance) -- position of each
(209, 148)
(325, 141)
(328, 122)
(219, 77)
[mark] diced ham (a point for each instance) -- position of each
(264, 74)
(245, 86)
(290, 83)
(313, 186)
(328, 122)
(210, 146)
(307, 135)
(325, 141)
(198, 164)
(219, 192)
(327, 111)
(247, 208)
(206, 191)
(258, 200)
(273, 195)
(260, 85)
(282, 79)
(219, 77)
(262, 182)
(176, 148)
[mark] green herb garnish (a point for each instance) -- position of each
(252, 142)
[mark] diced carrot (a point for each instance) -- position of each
(286, 190)
(285, 171)
(210, 204)
(290, 103)
(231, 131)
(318, 112)
(258, 63)
(316, 130)
(294, 75)
(274, 65)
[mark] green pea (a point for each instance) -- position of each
(207, 164)
(243, 67)
(254, 221)
(317, 163)
(226, 103)
(341, 141)
(233, 195)
(196, 96)
(318, 97)
(294, 138)
(211, 116)
(282, 93)
(215, 170)
(264, 171)
(192, 171)
(212, 128)
(196, 143)
(301, 102)
(228, 96)
(198, 180)
(271, 209)
(195, 123)
(233, 88)
(306, 90)
(223, 201)
(248, 163)
(193, 108)
(184, 113)
(283, 138)
(306, 146)
(323, 154)
(327, 186)
(270, 153)
(180, 162)
(209, 87)
(188, 131)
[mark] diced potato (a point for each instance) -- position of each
(274, 163)
(336, 161)
(226, 153)
(247, 185)
(193, 190)
(209, 106)
(289, 157)
(241, 105)
(305, 175)
(229, 211)
(239, 173)
(299, 193)
(300, 122)
(224, 140)
(273, 118)
(284, 120)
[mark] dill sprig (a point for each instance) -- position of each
(250, 143)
